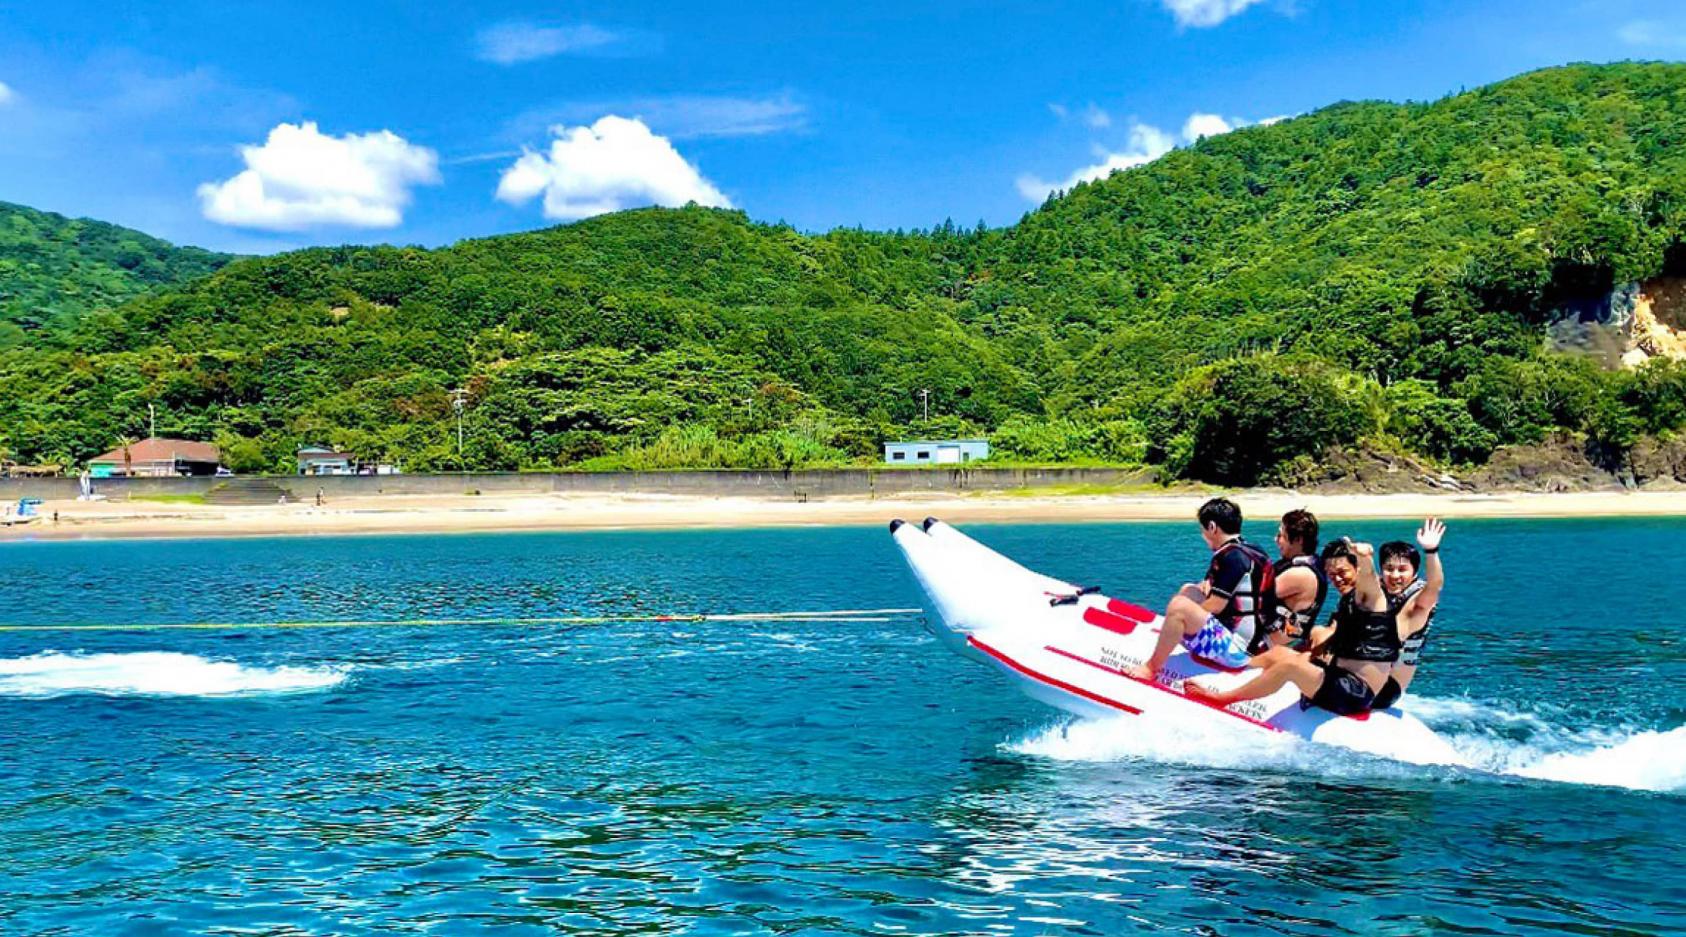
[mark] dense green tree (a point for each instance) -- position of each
(1238, 421)
(54, 268)
(1229, 310)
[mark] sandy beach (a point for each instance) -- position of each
(459, 513)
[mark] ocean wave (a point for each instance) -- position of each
(154, 673)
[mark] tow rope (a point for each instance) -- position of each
(837, 615)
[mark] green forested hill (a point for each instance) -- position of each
(53, 268)
(1370, 271)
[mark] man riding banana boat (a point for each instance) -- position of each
(1359, 661)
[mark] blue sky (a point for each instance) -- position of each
(265, 126)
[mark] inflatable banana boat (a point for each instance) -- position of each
(1069, 647)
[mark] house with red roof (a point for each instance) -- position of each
(156, 457)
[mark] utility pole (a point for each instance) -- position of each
(925, 402)
(151, 422)
(457, 397)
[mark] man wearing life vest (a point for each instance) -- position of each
(1301, 586)
(1218, 618)
(1412, 601)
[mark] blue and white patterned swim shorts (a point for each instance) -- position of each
(1219, 645)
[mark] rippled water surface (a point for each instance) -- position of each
(726, 777)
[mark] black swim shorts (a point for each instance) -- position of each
(1342, 693)
(1390, 694)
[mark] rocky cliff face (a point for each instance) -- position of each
(1635, 323)
(1655, 326)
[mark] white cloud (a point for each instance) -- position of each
(1146, 144)
(302, 178)
(1279, 118)
(1650, 33)
(1205, 125)
(1096, 118)
(7, 95)
(1201, 14)
(615, 163)
(515, 42)
(1059, 111)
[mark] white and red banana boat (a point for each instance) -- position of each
(1068, 648)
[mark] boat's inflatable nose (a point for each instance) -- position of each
(948, 592)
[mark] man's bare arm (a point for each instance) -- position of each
(1369, 587)
(1434, 578)
(1296, 586)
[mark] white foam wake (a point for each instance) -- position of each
(1522, 745)
(1527, 745)
(1648, 761)
(1208, 744)
(153, 673)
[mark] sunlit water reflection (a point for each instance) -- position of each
(794, 776)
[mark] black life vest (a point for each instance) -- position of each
(1364, 635)
(1297, 624)
(1251, 611)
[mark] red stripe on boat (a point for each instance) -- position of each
(1051, 681)
(1160, 686)
(1120, 607)
(1105, 619)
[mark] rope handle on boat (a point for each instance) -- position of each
(1072, 598)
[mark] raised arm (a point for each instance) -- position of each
(1369, 587)
(1434, 576)
(1414, 616)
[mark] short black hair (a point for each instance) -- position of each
(1339, 550)
(1222, 512)
(1301, 527)
(1399, 549)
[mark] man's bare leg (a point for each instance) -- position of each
(1297, 670)
(1184, 617)
(1272, 655)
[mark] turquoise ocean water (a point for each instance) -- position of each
(786, 777)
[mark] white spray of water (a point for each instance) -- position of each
(1208, 744)
(1521, 745)
(1648, 761)
(153, 673)
(1529, 746)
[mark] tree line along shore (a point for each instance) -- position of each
(1451, 282)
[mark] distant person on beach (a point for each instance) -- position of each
(1301, 587)
(1345, 671)
(1413, 600)
(1217, 618)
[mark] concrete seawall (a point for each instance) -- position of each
(818, 483)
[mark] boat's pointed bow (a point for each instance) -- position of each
(949, 589)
